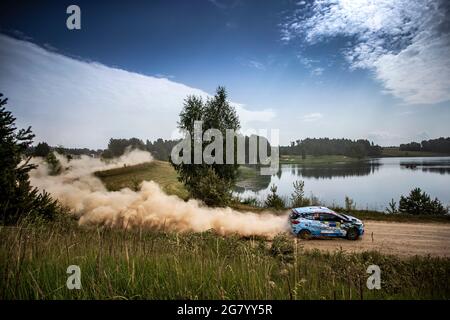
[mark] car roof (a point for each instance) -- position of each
(313, 209)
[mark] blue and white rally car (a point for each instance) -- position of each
(307, 222)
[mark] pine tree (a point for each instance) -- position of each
(273, 199)
(17, 197)
(419, 202)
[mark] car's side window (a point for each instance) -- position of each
(311, 216)
(328, 217)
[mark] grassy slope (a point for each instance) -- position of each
(150, 264)
(129, 177)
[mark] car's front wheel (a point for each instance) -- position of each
(352, 234)
(304, 234)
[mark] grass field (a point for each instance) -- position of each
(155, 264)
(396, 152)
(315, 160)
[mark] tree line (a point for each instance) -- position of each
(440, 145)
(325, 146)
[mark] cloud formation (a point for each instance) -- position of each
(405, 43)
(311, 117)
(79, 103)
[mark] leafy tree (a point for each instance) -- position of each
(441, 145)
(107, 154)
(326, 146)
(17, 198)
(273, 199)
(161, 149)
(211, 189)
(216, 113)
(42, 150)
(419, 202)
(117, 147)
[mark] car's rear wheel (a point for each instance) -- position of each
(352, 234)
(304, 234)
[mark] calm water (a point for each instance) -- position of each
(371, 184)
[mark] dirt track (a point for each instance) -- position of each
(402, 239)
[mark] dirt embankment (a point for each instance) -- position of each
(402, 239)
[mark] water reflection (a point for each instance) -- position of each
(341, 170)
(441, 166)
(260, 182)
(371, 184)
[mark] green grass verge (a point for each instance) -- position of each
(140, 264)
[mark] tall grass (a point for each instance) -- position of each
(140, 264)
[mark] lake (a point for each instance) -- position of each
(370, 183)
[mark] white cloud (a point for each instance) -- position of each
(78, 103)
(406, 43)
(317, 71)
(253, 64)
(311, 117)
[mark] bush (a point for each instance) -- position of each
(211, 189)
(282, 247)
(419, 202)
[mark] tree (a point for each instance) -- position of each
(298, 198)
(117, 147)
(273, 199)
(17, 198)
(216, 113)
(349, 204)
(419, 202)
(42, 150)
(211, 189)
(54, 165)
(325, 146)
(392, 209)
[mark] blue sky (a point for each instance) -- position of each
(358, 69)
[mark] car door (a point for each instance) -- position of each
(313, 224)
(331, 224)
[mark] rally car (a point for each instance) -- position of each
(307, 222)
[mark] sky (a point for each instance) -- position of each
(373, 69)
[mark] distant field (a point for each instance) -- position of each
(337, 159)
(315, 160)
(395, 152)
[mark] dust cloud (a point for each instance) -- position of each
(84, 194)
